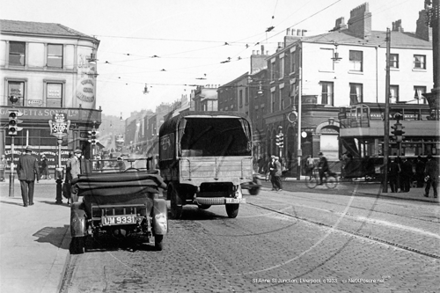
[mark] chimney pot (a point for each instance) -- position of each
(298, 32)
(287, 31)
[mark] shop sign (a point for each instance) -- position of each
(34, 103)
(310, 130)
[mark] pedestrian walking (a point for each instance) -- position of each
(309, 165)
(272, 171)
(399, 162)
(420, 172)
(27, 171)
(432, 173)
(277, 175)
(44, 168)
(393, 173)
(3, 166)
(73, 169)
(406, 175)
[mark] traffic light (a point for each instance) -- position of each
(13, 128)
(92, 136)
(279, 140)
(398, 131)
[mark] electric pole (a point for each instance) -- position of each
(387, 116)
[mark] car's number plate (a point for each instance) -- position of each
(118, 220)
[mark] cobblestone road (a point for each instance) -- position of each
(280, 242)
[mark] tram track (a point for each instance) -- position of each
(356, 233)
(346, 193)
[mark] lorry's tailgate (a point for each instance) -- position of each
(197, 170)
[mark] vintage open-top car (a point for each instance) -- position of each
(117, 202)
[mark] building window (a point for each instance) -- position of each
(54, 95)
(55, 56)
(394, 60)
(272, 71)
(327, 93)
(281, 67)
(292, 94)
(246, 97)
(281, 107)
(356, 63)
(418, 94)
(292, 62)
(17, 53)
(394, 93)
(356, 93)
(16, 89)
(272, 102)
(240, 99)
(419, 62)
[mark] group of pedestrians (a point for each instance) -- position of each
(401, 176)
(28, 172)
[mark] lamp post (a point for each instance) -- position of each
(58, 128)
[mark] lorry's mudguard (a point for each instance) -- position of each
(77, 220)
(160, 217)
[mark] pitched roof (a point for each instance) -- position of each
(376, 38)
(39, 28)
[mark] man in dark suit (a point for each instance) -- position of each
(432, 173)
(406, 175)
(27, 171)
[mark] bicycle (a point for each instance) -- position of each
(330, 179)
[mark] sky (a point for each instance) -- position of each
(171, 46)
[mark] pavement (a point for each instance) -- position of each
(373, 189)
(34, 240)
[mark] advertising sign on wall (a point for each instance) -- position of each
(85, 89)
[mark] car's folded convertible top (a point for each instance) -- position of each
(110, 184)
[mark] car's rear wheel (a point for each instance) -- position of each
(232, 210)
(158, 242)
(77, 245)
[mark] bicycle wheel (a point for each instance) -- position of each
(331, 182)
(311, 182)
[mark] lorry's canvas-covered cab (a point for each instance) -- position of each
(204, 157)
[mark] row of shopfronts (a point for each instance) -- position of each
(37, 133)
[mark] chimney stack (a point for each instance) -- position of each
(360, 21)
(397, 26)
(423, 31)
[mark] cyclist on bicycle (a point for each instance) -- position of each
(322, 167)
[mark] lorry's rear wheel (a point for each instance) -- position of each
(158, 242)
(176, 210)
(77, 245)
(232, 210)
(254, 190)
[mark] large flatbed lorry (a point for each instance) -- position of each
(204, 158)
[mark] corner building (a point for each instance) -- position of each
(50, 69)
(337, 71)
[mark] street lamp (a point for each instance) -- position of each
(58, 128)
